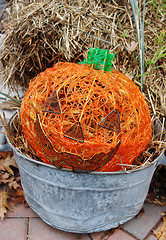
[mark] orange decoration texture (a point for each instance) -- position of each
(109, 108)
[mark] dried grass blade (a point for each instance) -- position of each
(11, 98)
(4, 122)
(140, 34)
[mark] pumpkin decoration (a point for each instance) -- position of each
(74, 111)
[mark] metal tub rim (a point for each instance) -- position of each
(157, 161)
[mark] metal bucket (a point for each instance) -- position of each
(84, 202)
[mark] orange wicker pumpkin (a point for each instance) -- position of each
(87, 96)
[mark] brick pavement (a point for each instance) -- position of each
(24, 224)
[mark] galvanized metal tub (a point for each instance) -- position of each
(84, 202)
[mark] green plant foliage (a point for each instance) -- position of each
(161, 50)
(159, 6)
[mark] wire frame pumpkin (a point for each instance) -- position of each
(86, 112)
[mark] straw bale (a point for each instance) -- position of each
(40, 33)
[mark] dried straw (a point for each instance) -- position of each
(40, 33)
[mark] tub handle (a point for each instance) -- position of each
(4, 147)
(163, 159)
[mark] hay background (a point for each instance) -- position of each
(40, 33)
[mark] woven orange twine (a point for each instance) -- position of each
(87, 96)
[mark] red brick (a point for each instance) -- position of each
(13, 229)
(141, 226)
(40, 230)
(98, 235)
(117, 235)
(120, 235)
(20, 211)
(151, 237)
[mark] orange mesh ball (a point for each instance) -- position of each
(108, 107)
